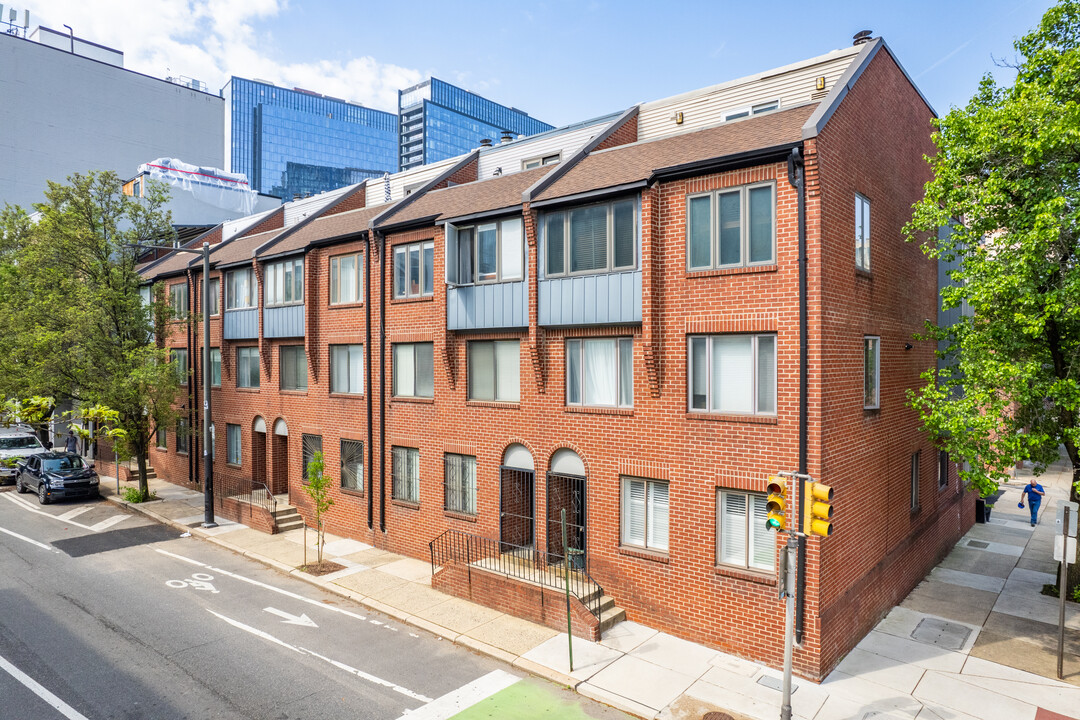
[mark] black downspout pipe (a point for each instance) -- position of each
(190, 379)
(380, 242)
(797, 177)
(367, 384)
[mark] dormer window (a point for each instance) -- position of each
(540, 161)
(486, 253)
(591, 239)
(752, 110)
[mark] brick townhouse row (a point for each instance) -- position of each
(611, 328)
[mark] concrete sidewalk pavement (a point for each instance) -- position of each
(960, 647)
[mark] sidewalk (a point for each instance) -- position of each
(975, 640)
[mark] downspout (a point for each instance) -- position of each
(190, 395)
(380, 240)
(367, 384)
(797, 177)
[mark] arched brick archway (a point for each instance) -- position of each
(517, 498)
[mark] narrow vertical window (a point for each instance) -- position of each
(871, 372)
(232, 444)
(215, 367)
(862, 232)
(915, 480)
(943, 469)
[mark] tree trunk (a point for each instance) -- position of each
(144, 487)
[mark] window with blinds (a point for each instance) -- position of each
(309, 445)
(347, 369)
(495, 370)
(459, 484)
(741, 537)
(405, 469)
(733, 227)
(591, 239)
(346, 280)
(293, 368)
(352, 465)
(733, 374)
(284, 283)
(414, 370)
(645, 513)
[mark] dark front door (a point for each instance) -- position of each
(566, 492)
(279, 477)
(517, 518)
(258, 459)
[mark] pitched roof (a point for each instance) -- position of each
(471, 198)
(241, 248)
(630, 163)
(325, 228)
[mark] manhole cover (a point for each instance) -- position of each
(941, 633)
(978, 544)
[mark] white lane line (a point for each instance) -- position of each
(27, 506)
(109, 522)
(464, 697)
(26, 539)
(66, 710)
(72, 514)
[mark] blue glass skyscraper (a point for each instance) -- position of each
(296, 142)
(439, 121)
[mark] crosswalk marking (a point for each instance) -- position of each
(72, 514)
(66, 517)
(108, 523)
(464, 697)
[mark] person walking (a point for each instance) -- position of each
(1034, 492)
(71, 443)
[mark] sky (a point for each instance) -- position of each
(561, 61)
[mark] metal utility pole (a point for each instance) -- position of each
(1064, 552)
(566, 582)
(787, 584)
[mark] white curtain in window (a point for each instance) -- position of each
(762, 542)
(600, 372)
(404, 371)
(573, 372)
(658, 516)
(766, 374)
(356, 368)
(508, 375)
(633, 520)
(626, 372)
(425, 370)
(510, 240)
(347, 292)
(481, 371)
(733, 528)
(732, 374)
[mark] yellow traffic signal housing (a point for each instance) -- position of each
(817, 509)
(777, 504)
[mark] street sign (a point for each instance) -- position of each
(1074, 513)
(1059, 543)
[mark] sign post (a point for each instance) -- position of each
(1065, 552)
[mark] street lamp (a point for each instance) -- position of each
(208, 462)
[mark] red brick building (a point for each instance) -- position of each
(605, 319)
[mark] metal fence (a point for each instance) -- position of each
(247, 493)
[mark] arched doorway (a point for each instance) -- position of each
(566, 491)
(517, 499)
(258, 451)
(279, 477)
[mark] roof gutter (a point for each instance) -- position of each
(776, 153)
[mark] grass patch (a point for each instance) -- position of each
(133, 495)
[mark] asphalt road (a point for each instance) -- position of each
(105, 614)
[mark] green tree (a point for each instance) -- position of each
(318, 489)
(75, 326)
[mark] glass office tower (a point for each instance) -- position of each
(296, 142)
(439, 120)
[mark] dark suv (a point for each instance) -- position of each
(56, 475)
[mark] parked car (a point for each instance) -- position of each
(16, 444)
(57, 475)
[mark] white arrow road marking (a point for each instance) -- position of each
(303, 651)
(291, 619)
(463, 698)
(38, 689)
(26, 539)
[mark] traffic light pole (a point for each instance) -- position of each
(791, 552)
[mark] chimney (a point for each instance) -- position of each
(485, 142)
(507, 136)
(862, 37)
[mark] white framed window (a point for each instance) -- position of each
(347, 369)
(871, 372)
(732, 374)
(915, 479)
(292, 370)
(862, 232)
(741, 537)
(645, 512)
(352, 465)
(346, 279)
(405, 468)
(943, 469)
(459, 484)
(591, 239)
(487, 253)
(284, 283)
(240, 289)
(178, 300)
(733, 227)
(600, 372)
(541, 160)
(180, 359)
(247, 367)
(495, 370)
(757, 109)
(232, 444)
(414, 370)
(215, 367)
(414, 270)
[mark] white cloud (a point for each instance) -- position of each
(211, 40)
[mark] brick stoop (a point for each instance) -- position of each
(286, 517)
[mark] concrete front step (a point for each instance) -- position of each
(287, 518)
(610, 615)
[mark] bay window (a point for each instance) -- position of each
(240, 289)
(284, 283)
(591, 239)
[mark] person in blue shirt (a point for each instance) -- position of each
(1034, 492)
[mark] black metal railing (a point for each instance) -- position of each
(548, 569)
(246, 492)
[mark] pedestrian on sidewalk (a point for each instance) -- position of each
(1034, 492)
(71, 444)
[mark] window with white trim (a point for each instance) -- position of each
(292, 370)
(232, 444)
(247, 367)
(645, 513)
(733, 227)
(414, 270)
(741, 537)
(862, 232)
(405, 469)
(732, 374)
(179, 358)
(414, 370)
(495, 370)
(459, 484)
(284, 283)
(540, 161)
(347, 369)
(487, 253)
(352, 465)
(591, 239)
(871, 372)
(215, 367)
(600, 372)
(240, 289)
(346, 279)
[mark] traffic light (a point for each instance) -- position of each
(777, 504)
(817, 509)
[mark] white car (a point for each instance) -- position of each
(16, 444)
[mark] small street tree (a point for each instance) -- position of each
(75, 325)
(89, 424)
(318, 489)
